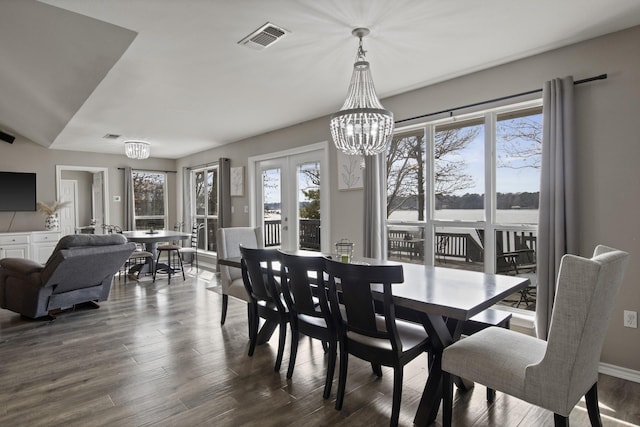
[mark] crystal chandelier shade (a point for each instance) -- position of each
(362, 126)
(137, 149)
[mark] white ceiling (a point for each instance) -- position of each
(185, 85)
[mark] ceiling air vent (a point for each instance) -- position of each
(111, 136)
(264, 36)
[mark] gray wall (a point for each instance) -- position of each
(609, 176)
(26, 156)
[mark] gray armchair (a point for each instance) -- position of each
(80, 269)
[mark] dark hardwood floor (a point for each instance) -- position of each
(155, 354)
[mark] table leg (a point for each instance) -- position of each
(266, 331)
(432, 395)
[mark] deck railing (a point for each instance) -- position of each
(272, 231)
(308, 238)
(453, 246)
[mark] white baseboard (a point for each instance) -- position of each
(619, 372)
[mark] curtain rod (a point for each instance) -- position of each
(529, 92)
(206, 165)
(147, 170)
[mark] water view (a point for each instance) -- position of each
(505, 216)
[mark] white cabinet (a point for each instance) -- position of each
(42, 245)
(35, 245)
(14, 245)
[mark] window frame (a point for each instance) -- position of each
(490, 224)
(204, 218)
(164, 217)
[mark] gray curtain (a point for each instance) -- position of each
(224, 193)
(186, 199)
(129, 222)
(557, 233)
(375, 207)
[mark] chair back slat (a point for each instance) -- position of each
(357, 285)
(259, 278)
(297, 284)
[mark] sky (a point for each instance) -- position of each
(512, 179)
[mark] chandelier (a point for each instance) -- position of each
(137, 149)
(362, 126)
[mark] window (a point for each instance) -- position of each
(205, 205)
(150, 203)
(463, 193)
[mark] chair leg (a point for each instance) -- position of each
(331, 367)
(295, 336)
(155, 266)
(397, 395)
(225, 303)
(377, 369)
(181, 265)
(168, 267)
(281, 342)
(254, 320)
(491, 395)
(342, 377)
(447, 399)
(560, 421)
(250, 319)
(591, 399)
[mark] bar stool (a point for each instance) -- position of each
(171, 251)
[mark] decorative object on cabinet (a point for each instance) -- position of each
(52, 221)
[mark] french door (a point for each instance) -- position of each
(290, 200)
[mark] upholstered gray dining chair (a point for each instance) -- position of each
(553, 374)
(229, 241)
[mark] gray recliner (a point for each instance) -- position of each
(79, 270)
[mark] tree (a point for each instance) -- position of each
(406, 167)
(310, 176)
(520, 141)
(148, 190)
(311, 210)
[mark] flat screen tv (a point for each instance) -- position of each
(17, 191)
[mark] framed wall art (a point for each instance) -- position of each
(349, 172)
(237, 181)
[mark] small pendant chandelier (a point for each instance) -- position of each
(137, 149)
(362, 126)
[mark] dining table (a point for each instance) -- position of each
(442, 299)
(150, 240)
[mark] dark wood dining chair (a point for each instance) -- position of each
(307, 301)
(265, 294)
(376, 338)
